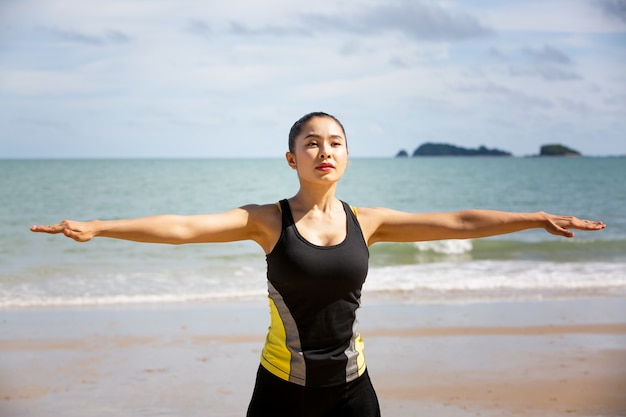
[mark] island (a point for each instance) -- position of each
(557, 150)
(444, 149)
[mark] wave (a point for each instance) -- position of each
(68, 287)
(499, 279)
(442, 282)
(446, 247)
(121, 299)
(557, 250)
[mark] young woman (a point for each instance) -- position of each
(317, 260)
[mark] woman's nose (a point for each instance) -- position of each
(324, 152)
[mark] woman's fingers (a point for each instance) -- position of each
(560, 225)
(74, 230)
(591, 225)
(575, 223)
(56, 228)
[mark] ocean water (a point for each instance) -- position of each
(39, 270)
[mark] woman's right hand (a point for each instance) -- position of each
(79, 231)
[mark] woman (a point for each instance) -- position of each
(317, 259)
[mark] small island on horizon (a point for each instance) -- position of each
(444, 149)
(557, 150)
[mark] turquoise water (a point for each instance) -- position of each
(41, 270)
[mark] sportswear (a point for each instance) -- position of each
(314, 293)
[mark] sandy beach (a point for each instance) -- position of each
(539, 358)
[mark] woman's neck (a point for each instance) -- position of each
(315, 198)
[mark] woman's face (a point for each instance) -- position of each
(320, 151)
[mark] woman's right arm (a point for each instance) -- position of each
(252, 222)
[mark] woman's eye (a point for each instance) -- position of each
(311, 144)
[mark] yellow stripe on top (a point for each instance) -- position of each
(282, 354)
(276, 358)
(359, 346)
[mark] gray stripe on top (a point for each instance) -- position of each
(297, 373)
(352, 367)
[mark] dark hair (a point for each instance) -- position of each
(297, 127)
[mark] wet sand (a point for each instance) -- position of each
(542, 358)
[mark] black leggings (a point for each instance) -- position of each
(274, 397)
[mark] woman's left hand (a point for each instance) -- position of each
(561, 225)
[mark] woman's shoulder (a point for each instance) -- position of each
(372, 217)
(264, 216)
(269, 210)
(370, 212)
(265, 222)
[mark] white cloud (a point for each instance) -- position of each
(506, 74)
(568, 16)
(414, 19)
(29, 83)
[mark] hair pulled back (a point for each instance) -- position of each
(297, 126)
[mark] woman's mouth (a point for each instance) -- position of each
(325, 167)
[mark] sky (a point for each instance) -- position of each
(205, 79)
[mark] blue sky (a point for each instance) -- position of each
(172, 78)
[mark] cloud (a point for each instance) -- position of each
(548, 63)
(179, 70)
(115, 36)
(109, 37)
(398, 62)
(616, 100)
(507, 94)
(350, 48)
(198, 27)
(614, 9)
(43, 123)
(549, 55)
(47, 82)
(547, 72)
(413, 19)
(496, 53)
(268, 30)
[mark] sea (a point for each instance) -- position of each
(49, 271)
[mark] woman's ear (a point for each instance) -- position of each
(291, 160)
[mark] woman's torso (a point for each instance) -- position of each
(314, 293)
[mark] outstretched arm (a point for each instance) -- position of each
(248, 222)
(385, 225)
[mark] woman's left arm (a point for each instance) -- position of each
(386, 225)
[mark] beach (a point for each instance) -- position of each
(527, 324)
(530, 358)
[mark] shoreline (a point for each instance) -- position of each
(533, 358)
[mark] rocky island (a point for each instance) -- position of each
(443, 149)
(557, 150)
